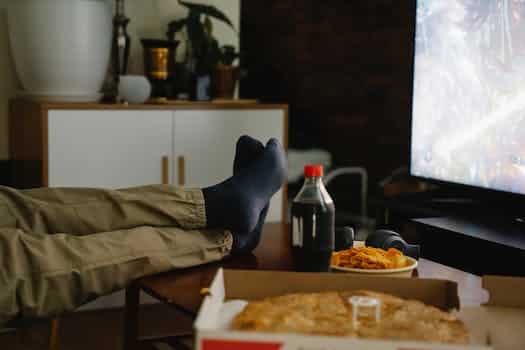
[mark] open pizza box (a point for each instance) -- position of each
(498, 325)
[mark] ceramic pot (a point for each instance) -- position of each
(61, 48)
(134, 88)
(224, 81)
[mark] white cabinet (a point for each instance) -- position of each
(109, 149)
(204, 145)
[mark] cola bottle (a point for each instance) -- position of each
(313, 224)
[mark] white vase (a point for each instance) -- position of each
(134, 89)
(61, 48)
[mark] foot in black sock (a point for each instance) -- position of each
(247, 151)
(236, 203)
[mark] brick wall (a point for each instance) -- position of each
(344, 66)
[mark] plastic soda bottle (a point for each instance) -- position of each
(313, 223)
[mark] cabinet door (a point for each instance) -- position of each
(111, 149)
(204, 145)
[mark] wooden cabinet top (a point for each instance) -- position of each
(172, 105)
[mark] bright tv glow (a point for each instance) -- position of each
(468, 110)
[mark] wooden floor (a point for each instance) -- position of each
(97, 330)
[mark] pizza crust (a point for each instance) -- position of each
(330, 313)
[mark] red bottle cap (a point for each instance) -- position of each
(312, 170)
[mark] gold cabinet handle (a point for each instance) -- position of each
(181, 162)
(165, 170)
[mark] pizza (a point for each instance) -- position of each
(331, 313)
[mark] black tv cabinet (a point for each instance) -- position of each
(479, 245)
(478, 235)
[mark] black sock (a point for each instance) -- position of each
(247, 151)
(236, 203)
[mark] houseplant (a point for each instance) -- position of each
(203, 52)
(51, 64)
(225, 73)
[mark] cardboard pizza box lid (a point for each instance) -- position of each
(505, 291)
(502, 319)
(250, 285)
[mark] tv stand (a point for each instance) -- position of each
(446, 203)
(478, 235)
(481, 245)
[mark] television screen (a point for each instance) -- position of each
(468, 108)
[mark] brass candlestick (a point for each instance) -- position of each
(120, 50)
(121, 42)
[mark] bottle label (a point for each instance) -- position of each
(297, 231)
(312, 226)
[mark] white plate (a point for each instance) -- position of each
(409, 268)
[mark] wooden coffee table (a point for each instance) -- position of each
(181, 288)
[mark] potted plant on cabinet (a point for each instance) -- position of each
(226, 74)
(203, 52)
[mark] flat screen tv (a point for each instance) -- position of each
(468, 106)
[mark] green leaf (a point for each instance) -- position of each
(215, 51)
(208, 10)
(208, 26)
(175, 27)
(210, 55)
(196, 32)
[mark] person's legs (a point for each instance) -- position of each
(234, 205)
(82, 211)
(83, 265)
(44, 275)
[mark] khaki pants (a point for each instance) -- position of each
(60, 248)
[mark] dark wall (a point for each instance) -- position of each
(344, 66)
